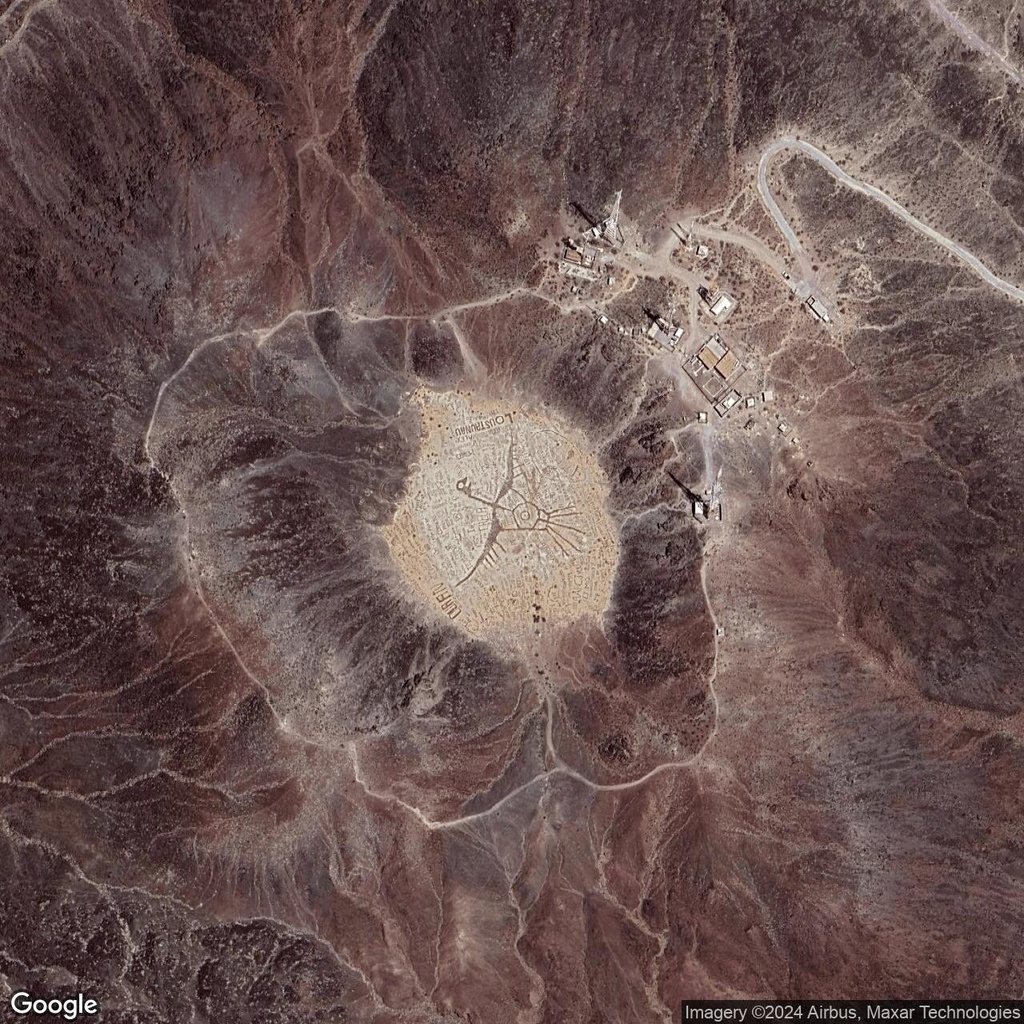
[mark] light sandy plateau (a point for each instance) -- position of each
(504, 527)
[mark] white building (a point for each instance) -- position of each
(721, 305)
(819, 309)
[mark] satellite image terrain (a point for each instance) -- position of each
(511, 512)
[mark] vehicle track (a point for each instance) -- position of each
(837, 172)
(974, 41)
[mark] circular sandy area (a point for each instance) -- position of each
(503, 528)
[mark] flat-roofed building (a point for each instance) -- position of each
(727, 403)
(726, 366)
(819, 309)
(720, 306)
(715, 346)
(707, 357)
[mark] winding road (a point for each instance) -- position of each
(957, 250)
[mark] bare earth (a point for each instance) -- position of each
(504, 527)
(371, 648)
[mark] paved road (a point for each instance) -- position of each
(839, 174)
(974, 41)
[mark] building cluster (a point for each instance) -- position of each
(715, 366)
(661, 331)
(579, 259)
(716, 369)
(613, 325)
(707, 507)
(580, 256)
(608, 230)
(666, 334)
